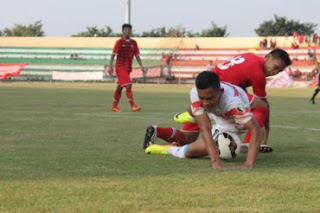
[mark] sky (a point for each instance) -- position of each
(63, 18)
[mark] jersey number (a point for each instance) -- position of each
(233, 61)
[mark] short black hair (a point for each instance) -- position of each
(207, 79)
(126, 26)
(281, 54)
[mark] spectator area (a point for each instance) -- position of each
(189, 56)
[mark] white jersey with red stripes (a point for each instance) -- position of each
(232, 112)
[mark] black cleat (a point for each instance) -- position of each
(264, 148)
(150, 137)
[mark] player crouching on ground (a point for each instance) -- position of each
(225, 104)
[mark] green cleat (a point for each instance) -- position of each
(183, 117)
(156, 149)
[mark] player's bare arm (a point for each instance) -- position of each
(140, 63)
(111, 64)
(256, 136)
(205, 128)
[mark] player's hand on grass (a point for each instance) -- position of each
(218, 165)
(245, 166)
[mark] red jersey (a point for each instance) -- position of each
(244, 70)
(125, 49)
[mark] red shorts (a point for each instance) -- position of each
(123, 77)
(193, 127)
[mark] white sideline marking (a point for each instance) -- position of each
(126, 115)
(123, 115)
(295, 127)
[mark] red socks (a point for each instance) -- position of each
(130, 96)
(170, 134)
(116, 97)
(260, 114)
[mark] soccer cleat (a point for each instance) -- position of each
(312, 101)
(156, 149)
(135, 108)
(150, 136)
(244, 147)
(183, 117)
(264, 148)
(115, 109)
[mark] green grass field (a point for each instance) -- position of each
(62, 150)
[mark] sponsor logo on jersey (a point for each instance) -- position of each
(241, 108)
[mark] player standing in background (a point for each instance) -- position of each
(316, 90)
(125, 48)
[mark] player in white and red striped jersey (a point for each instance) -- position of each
(125, 49)
(225, 104)
(232, 111)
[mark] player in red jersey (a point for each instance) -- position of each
(125, 48)
(247, 70)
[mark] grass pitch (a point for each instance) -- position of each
(62, 150)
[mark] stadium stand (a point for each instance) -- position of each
(46, 57)
(189, 62)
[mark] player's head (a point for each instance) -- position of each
(126, 30)
(209, 89)
(276, 61)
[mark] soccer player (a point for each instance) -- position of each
(247, 70)
(125, 48)
(229, 107)
(316, 90)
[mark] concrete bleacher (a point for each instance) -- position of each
(43, 61)
(47, 55)
(63, 55)
(188, 62)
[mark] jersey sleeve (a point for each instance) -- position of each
(258, 80)
(239, 112)
(259, 86)
(196, 106)
(116, 47)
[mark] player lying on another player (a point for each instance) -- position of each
(228, 106)
(247, 70)
(190, 129)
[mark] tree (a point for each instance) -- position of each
(178, 31)
(95, 32)
(193, 34)
(214, 31)
(19, 30)
(159, 32)
(281, 25)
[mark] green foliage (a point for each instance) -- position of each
(159, 32)
(214, 31)
(162, 32)
(20, 30)
(96, 32)
(281, 25)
